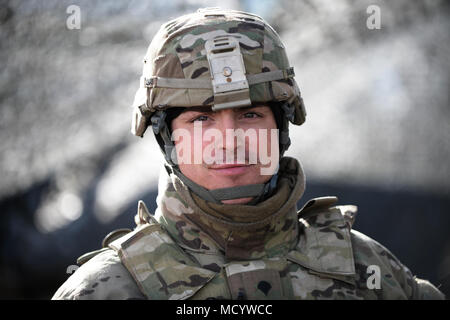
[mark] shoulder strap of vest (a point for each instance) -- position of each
(142, 216)
(89, 255)
(325, 246)
(159, 266)
(115, 234)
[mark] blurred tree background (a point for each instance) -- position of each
(377, 133)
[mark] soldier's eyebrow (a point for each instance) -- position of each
(258, 108)
(199, 109)
(248, 108)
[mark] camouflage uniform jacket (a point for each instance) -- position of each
(200, 250)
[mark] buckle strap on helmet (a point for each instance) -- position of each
(289, 111)
(158, 122)
(179, 83)
(270, 76)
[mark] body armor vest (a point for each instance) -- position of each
(322, 258)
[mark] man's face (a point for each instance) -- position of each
(227, 148)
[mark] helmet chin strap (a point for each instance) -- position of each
(258, 192)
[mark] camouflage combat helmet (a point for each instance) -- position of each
(216, 58)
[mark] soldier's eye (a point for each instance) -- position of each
(200, 118)
(251, 115)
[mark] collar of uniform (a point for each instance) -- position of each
(203, 227)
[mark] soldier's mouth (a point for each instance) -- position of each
(230, 169)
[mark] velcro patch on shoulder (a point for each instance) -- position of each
(325, 246)
(160, 267)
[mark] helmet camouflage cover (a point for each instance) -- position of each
(217, 58)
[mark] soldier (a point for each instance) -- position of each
(231, 229)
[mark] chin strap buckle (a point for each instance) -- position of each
(289, 111)
(158, 121)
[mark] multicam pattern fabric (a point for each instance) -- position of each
(193, 253)
(178, 51)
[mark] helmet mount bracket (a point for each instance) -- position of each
(229, 82)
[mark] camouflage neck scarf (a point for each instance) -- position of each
(239, 232)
